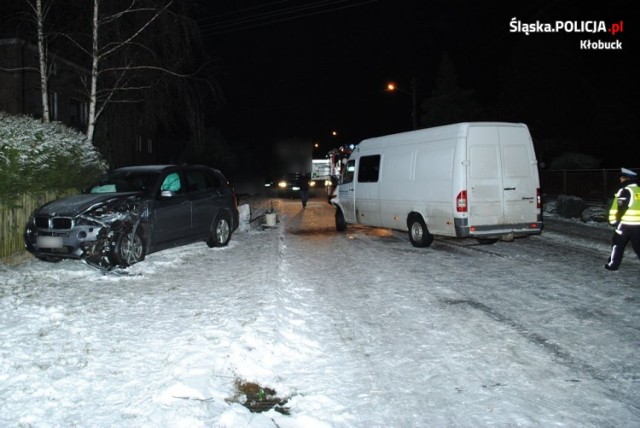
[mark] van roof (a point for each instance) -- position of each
(437, 132)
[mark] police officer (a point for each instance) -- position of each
(303, 183)
(624, 215)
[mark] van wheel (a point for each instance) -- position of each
(341, 223)
(418, 233)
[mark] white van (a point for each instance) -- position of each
(466, 180)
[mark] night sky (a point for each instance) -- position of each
(314, 74)
(306, 68)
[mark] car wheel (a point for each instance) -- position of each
(221, 231)
(418, 233)
(341, 223)
(127, 251)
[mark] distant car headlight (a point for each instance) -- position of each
(312, 183)
(282, 184)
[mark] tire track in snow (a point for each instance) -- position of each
(522, 259)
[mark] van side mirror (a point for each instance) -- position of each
(166, 194)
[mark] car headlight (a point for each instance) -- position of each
(282, 184)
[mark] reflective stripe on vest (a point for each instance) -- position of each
(632, 215)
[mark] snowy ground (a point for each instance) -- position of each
(352, 330)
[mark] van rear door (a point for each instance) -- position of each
(484, 183)
(520, 181)
(502, 179)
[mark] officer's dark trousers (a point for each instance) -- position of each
(304, 197)
(622, 235)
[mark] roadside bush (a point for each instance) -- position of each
(570, 206)
(37, 156)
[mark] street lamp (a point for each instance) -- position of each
(392, 87)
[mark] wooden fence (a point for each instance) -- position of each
(14, 215)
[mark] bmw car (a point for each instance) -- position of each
(134, 211)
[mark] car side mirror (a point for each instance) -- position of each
(166, 194)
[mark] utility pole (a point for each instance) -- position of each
(392, 87)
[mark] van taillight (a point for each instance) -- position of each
(538, 198)
(461, 202)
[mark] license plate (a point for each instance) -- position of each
(49, 242)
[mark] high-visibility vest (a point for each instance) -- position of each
(632, 215)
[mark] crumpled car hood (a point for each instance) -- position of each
(73, 205)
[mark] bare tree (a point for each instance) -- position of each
(40, 15)
(144, 54)
(140, 52)
(37, 11)
(100, 53)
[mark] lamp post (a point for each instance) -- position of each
(392, 87)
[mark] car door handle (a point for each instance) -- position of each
(509, 188)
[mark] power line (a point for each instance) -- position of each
(270, 17)
(239, 11)
(276, 16)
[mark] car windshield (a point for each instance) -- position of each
(125, 181)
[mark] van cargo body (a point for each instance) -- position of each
(466, 180)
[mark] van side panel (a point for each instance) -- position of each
(396, 188)
(403, 176)
(434, 177)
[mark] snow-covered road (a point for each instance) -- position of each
(353, 330)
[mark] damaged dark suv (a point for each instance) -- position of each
(134, 211)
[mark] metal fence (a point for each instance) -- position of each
(592, 185)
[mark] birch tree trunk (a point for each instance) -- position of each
(93, 97)
(42, 60)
